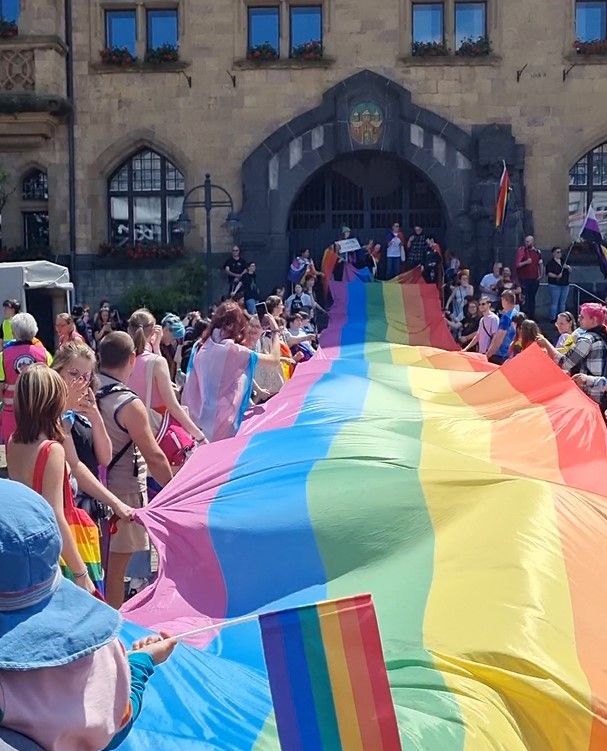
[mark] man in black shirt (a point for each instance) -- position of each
(234, 268)
(248, 285)
(416, 249)
(558, 282)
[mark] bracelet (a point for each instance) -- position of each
(79, 576)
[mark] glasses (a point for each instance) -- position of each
(77, 375)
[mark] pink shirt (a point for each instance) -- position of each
(138, 382)
(75, 707)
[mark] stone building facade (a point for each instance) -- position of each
(367, 133)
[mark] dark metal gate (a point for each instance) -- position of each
(367, 192)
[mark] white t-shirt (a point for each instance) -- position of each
(488, 281)
(394, 246)
(487, 327)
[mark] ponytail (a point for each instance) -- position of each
(139, 322)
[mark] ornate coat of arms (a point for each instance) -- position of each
(366, 122)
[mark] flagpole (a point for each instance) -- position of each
(217, 626)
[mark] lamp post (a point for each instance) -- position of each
(208, 202)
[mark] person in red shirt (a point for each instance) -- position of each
(529, 268)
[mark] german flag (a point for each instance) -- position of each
(502, 198)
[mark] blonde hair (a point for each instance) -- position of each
(141, 320)
(71, 351)
(40, 399)
(67, 318)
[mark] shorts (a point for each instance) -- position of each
(130, 537)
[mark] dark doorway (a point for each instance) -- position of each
(40, 305)
(367, 192)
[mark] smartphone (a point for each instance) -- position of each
(262, 310)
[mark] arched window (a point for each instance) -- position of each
(588, 183)
(35, 186)
(145, 198)
(34, 192)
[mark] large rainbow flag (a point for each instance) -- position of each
(465, 498)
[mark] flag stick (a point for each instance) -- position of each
(216, 626)
(568, 253)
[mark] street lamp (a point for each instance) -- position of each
(208, 203)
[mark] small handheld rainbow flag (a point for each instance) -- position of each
(328, 677)
(502, 198)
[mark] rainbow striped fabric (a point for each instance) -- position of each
(327, 676)
(466, 498)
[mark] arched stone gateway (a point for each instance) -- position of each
(367, 115)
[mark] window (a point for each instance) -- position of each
(145, 200)
(35, 229)
(121, 30)
(590, 20)
(588, 184)
(163, 28)
(470, 22)
(264, 27)
(306, 27)
(35, 186)
(428, 23)
(9, 10)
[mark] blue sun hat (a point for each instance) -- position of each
(45, 620)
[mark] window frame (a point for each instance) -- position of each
(460, 3)
(297, 6)
(153, 9)
(579, 3)
(16, 18)
(420, 4)
(275, 6)
(130, 194)
(589, 188)
(107, 12)
(30, 174)
(25, 213)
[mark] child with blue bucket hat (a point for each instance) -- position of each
(66, 681)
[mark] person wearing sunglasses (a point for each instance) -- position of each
(558, 282)
(487, 327)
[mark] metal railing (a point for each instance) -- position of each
(579, 291)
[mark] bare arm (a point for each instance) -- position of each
(169, 400)
(273, 356)
(52, 491)
(496, 343)
(471, 343)
(134, 419)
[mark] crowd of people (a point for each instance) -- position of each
(95, 429)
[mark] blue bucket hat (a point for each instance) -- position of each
(45, 620)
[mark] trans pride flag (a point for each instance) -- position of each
(466, 498)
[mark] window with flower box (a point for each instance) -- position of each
(263, 32)
(305, 32)
(459, 27)
(121, 30)
(9, 18)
